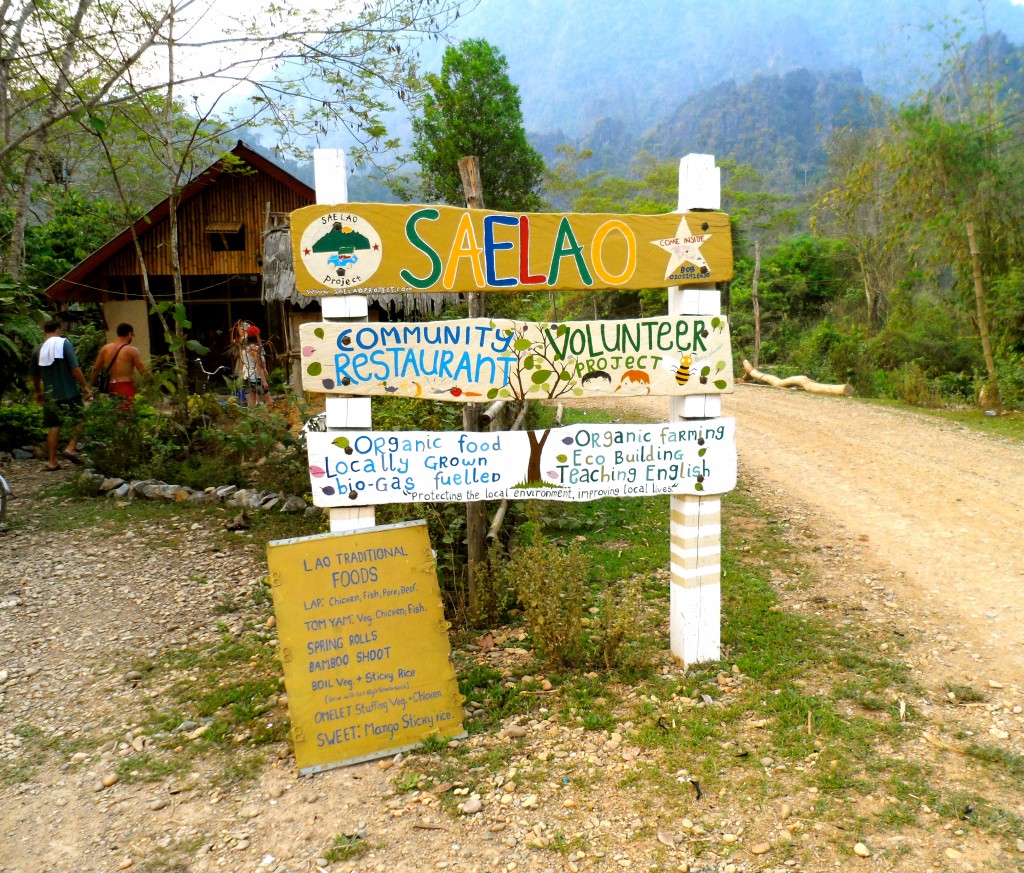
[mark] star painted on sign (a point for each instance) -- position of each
(683, 248)
(305, 251)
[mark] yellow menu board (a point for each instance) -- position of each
(364, 644)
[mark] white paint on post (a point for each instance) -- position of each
(343, 413)
(695, 622)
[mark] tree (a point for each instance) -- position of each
(472, 108)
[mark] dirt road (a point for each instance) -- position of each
(934, 508)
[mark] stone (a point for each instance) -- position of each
(472, 806)
(953, 854)
(759, 849)
(861, 850)
(110, 779)
(294, 504)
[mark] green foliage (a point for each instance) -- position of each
(21, 424)
(77, 226)
(472, 108)
(203, 442)
(20, 333)
(572, 624)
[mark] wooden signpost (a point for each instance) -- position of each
(352, 248)
(346, 249)
(488, 359)
(364, 644)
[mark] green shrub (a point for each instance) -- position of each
(553, 587)
(21, 424)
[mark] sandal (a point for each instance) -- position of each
(71, 456)
(52, 469)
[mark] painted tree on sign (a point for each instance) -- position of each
(539, 373)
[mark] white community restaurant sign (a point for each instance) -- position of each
(576, 462)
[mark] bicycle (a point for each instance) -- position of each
(202, 382)
(5, 494)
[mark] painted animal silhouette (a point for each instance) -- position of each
(632, 378)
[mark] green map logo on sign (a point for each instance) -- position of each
(341, 249)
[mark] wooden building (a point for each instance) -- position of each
(235, 264)
(222, 214)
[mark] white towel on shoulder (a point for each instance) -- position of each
(52, 349)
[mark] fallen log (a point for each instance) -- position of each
(808, 385)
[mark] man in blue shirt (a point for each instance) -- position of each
(55, 372)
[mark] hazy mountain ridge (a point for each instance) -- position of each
(575, 63)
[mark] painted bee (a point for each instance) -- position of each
(681, 371)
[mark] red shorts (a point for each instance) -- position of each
(125, 390)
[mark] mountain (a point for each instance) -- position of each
(576, 62)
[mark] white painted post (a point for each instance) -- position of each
(343, 413)
(696, 522)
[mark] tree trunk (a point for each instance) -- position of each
(173, 177)
(756, 302)
(476, 510)
(808, 385)
(533, 471)
(990, 398)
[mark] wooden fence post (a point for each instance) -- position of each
(343, 413)
(696, 522)
(476, 510)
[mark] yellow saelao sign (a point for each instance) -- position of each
(359, 247)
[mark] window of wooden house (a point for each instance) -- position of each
(226, 236)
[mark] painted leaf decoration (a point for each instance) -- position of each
(552, 474)
(329, 490)
(564, 376)
(341, 442)
(698, 487)
(561, 458)
(528, 362)
(307, 351)
(317, 472)
(315, 369)
(329, 384)
(567, 440)
(705, 371)
(521, 344)
(721, 384)
(318, 332)
(492, 393)
(541, 376)
(719, 366)
(563, 329)
(701, 453)
(716, 322)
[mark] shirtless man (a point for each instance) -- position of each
(123, 360)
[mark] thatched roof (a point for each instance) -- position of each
(279, 281)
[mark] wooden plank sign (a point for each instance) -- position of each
(577, 462)
(398, 248)
(364, 644)
(476, 359)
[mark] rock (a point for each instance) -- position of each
(132, 676)
(953, 854)
(729, 838)
(861, 850)
(1020, 846)
(110, 779)
(159, 803)
(293, 504)
(472, 806)
(759, 849)
(515, 730)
